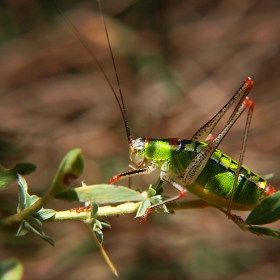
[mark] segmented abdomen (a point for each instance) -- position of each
(215, 183)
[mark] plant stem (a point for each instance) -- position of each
(123, 209)
(103, 252)
(103, 211)
(24, 213)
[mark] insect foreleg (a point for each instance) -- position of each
(132, 173)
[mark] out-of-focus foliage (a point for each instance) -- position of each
(179, 62)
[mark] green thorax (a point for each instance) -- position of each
(160, 149)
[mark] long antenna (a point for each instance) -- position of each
(84, 43)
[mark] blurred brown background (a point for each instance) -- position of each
(178, 62)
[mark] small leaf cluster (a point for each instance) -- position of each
(33, 221)
(30, 211)
(154, 196)
(98, 224)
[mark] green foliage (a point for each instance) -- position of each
(268, 211)
(153, 197)
(103, 194)
(97, 226)
(31, 222)
(44, 214)
(264, 231)
(8, 176)
(31, 213)
(142, 208)
(34, 225)
(69, 170)
(11, 269)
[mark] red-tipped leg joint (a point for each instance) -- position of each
(249, 81)
(249, 103)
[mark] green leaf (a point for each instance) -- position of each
(268, 211)
(157, 186)
(99, 235)
(23, 189)
(103, 194)
(33, 199)
(104, 223)
(34, 225)
(264, 231)
(11, 269)
(70, 168)
(38, 231)
(96, 228)
(34, 222)
(97, 225)
(24, 168)
(94, 209)
(21, 230)
(143, 207)
(45, 214)
(28, 200)
(7, 176)
(158, 199)
(151, 191)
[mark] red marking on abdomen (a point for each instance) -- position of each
(173, 141)
(269, 190)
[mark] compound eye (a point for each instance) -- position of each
(137, 152)
(138, 145)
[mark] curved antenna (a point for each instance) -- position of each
(86, 46)
(129, 137)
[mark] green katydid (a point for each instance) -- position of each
(193, 164)
(199, 167)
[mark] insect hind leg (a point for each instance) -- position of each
(250, 105)
(196, 166)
